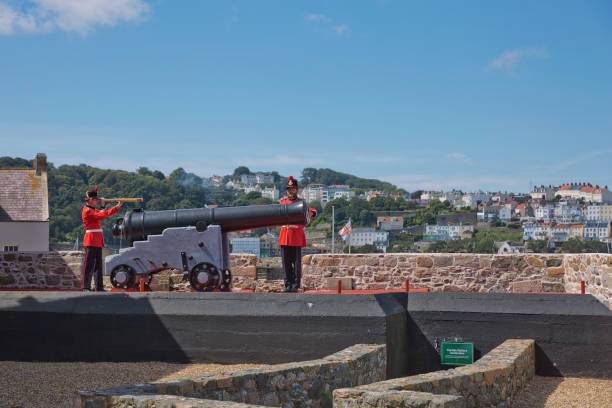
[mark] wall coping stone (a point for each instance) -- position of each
(307, 382)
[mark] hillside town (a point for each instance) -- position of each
(554, 214)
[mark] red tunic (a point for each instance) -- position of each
(92, 220)
(293, 235)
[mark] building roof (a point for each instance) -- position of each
(390, 219)
(23, 195)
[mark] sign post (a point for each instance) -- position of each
(456, 353)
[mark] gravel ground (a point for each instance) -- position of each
(45, 385)
(558, 392)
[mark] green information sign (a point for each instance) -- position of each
(454, 353)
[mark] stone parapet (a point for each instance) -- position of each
(305, 384)
(38, 270)
(491, 381)
(485, 273)
(596, 272)
(439, 272)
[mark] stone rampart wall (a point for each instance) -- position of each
(437, 272)
(491, 381)
(303, 384)
(596, 272)
(41, 270)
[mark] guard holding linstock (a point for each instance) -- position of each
(94, 240)
(291, 240)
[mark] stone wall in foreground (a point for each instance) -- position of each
(491, 381)
(302, 384)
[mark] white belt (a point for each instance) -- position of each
(96, 230)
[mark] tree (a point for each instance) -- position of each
(364, 249)
(239, 171)
(158, 175)
(572, 246)
(144, 171)
(416, 195)
(539, 246)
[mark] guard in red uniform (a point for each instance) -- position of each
(94, 241)
(291, 240)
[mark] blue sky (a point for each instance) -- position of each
(437, 94)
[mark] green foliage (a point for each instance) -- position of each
(239, 171)
(539, 246)
(364, 249)
(574, 246)
(67, 186)
(252, 198)
(17, 162)
(481, 243)
(329, 177)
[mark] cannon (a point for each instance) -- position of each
(193, 240)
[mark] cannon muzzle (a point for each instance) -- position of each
(138, 224)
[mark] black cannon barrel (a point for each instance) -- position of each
(138, 224)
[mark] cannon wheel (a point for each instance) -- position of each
(122, 277)
(204, 277)
(226, 280)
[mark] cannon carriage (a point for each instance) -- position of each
(192, 240)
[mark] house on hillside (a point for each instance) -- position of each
(509, 247)
(24, 208)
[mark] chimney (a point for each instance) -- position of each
(40, 164)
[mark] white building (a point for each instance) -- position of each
(587, 192)
(597, 231)
(492, 213)
(543, 193)
(472, 199)
(545, 212)
(325, 194)
(370, 236)
(536, 231)
(448, 232)
(24, 208)
(257, 178)
(271, 192)
(508, 247)
(252, 188)
(599, 212)
(246, 246)
(568, 212)
(431, 195)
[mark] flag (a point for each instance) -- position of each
(345, 231)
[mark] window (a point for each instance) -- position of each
(11, 248)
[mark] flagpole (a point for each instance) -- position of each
(333, 230)
(350, 233)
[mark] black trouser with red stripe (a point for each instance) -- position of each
(93, 263)
(292, 265)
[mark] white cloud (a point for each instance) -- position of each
(459, 156)
(342, 29)
(318, 18)
(80, 16)
(509, 60)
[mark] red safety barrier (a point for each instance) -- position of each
(582, 288)
(339, 286)
(407, 285)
